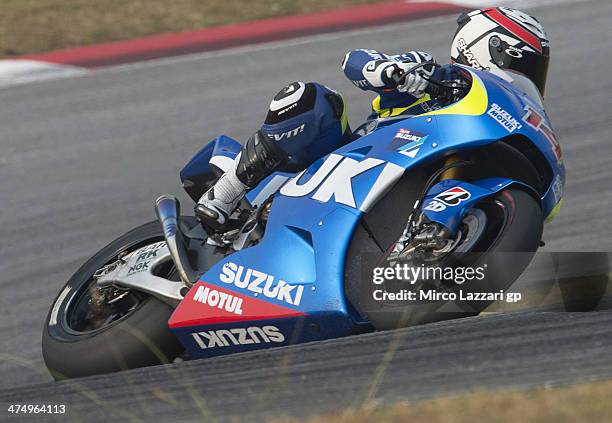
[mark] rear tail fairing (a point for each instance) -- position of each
(208, 164)
(293, 279)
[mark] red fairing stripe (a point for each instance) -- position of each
(207, 304)
(515, 28)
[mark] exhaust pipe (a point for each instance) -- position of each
(168, 211)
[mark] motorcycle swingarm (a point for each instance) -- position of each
(137, 271)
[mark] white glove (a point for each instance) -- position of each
(414, 83)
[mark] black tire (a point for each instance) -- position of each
(139, 338)
(518, 233)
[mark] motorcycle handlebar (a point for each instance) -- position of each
(436, 91)
(435, 88)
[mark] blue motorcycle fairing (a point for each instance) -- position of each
(221, 147)
(208, 164)
(220, 339)
(314, 213)
(296, 257)
(267, 187)
(538, 131)
(448, 201)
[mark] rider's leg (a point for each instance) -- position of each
(259, 157)
(304, 123)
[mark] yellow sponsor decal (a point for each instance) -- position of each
(396, 111)
(554, 212)
(344, 118)
(473, 104)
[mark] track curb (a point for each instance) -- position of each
(242, 34)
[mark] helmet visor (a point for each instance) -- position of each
(533, 65)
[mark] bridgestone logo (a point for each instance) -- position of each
(238, 336)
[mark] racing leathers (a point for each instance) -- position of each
(372, 70)
(307, 121)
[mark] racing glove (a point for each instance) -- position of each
(413, 83)
(388, 74)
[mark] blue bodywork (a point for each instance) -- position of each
(315, 212)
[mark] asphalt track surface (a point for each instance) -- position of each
(83, 159)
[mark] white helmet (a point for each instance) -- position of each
(503, 40)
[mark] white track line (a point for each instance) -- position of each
(13, 72)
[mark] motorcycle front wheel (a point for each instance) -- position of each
(508, 228)
(85, 333)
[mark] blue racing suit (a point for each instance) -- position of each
(364, 68)
(307, 121)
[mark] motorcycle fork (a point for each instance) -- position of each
(455, 172)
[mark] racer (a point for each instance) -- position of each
(307, 121)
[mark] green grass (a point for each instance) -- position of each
(581, 403)
(36, 26)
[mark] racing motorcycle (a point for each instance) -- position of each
(479, 175)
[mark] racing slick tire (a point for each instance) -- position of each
(513, 231)
(80, 340)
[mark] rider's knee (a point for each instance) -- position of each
(307, 121)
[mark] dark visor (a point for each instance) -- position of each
(533, 65)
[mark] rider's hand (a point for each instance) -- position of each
(413, 84)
